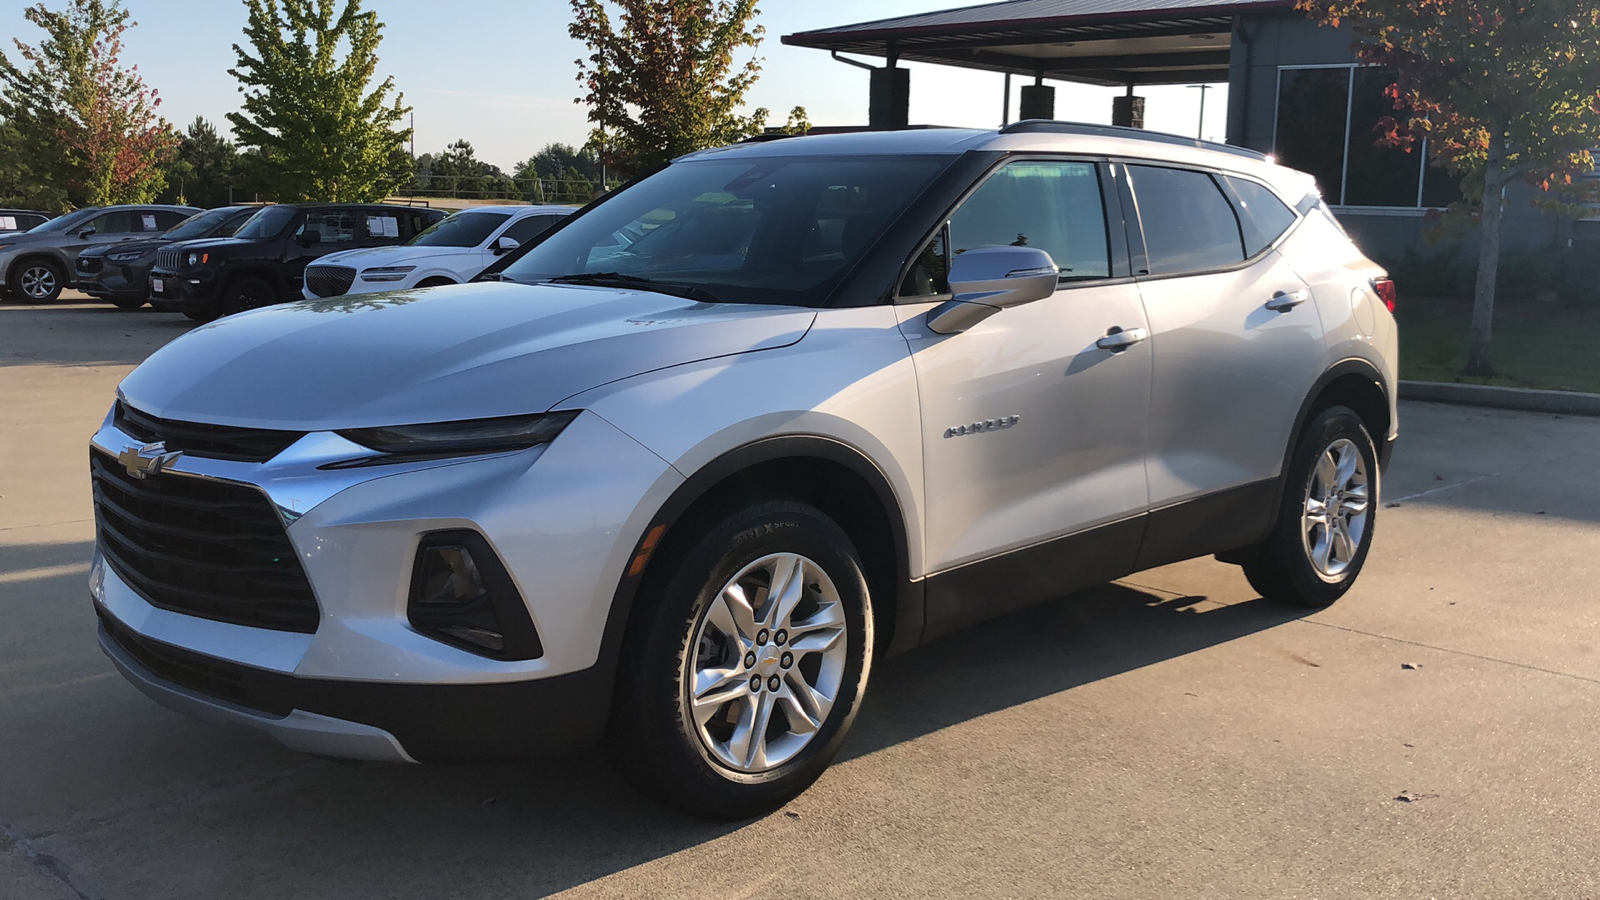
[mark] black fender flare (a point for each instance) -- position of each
(908, 599)
(1351, 366)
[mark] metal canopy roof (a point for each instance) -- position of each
(1106, 42)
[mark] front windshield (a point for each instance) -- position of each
(197, 225)
(66, 222)
(265, 224)
(462, 229)
(781, 230)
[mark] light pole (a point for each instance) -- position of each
(1200, 130)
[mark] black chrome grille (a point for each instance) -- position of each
(329, 281)
(211, 441)
(168, 258)
(239, 685)
(89, 265)
(207, 548)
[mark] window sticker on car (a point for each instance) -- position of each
(149, 222)
(383, 226)
(8, 223)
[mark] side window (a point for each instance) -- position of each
(166, 219)
(383, 225)
(1262, 216)
(1055, 206)
(118, 222)
(526, 229)
(927, 276)
(418, 222)
(1189, 225)
(335, 226)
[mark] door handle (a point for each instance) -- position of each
(1284, 301)
(1118, 340)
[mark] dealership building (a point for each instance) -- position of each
(1295, 91)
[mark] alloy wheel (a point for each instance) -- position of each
(768, 662)
(37, 282)
(1337, 509)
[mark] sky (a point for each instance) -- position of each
(501, 74)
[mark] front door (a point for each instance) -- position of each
(1033, 433)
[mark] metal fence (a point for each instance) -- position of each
(572, 191)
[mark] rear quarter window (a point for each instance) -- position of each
(1262, 216)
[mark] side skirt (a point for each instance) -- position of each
(1226, 520)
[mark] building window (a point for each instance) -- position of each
(1327, 125)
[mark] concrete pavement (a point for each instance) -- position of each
(1168, 736)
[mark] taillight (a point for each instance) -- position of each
(1384, 288)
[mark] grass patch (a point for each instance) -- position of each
(1536, 345)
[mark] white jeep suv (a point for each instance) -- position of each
(835, 396)
(453, 250)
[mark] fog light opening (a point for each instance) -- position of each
(462, 595)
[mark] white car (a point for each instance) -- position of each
(828, 398)
(453, 251)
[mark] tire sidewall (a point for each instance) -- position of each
(16, 281)
(679, 768)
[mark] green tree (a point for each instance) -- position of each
(83, 126)
(662, 82)
(320, 130)
(205, 167)
(1504, 91)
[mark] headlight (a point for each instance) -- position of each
(196, 259)
(386, 273)
(123, 257)
(465, 438)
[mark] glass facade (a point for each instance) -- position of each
(1328, 122)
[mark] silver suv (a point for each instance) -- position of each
(835, 396)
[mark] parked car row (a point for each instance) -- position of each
(210, 263)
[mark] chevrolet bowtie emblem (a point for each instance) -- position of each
(147, 459)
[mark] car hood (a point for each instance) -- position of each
(465, 352)
(367, 257)
(18, 238)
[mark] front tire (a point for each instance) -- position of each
(36, 281)
(246, 294)
(127, 303)
(741, 679)
(1325, 522)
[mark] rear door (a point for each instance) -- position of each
(336, 229)
(383, 227)
(1236, 350)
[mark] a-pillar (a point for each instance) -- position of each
(1128, 110)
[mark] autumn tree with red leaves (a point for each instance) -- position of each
(86, 127)
(1504, 91)
(662, 81)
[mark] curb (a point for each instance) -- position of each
(1565, 402)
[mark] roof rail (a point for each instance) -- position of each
(1050, 126)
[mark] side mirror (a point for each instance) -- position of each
(87, 232)
(310, 237)
(988, 279)
(505, 245)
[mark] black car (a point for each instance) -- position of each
(15, 220)
(120, 273)
(265, 260)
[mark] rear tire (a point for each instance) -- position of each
(36, 281)
(723, 701)
(247, 293)
(1325, 521)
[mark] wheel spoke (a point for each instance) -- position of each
(788, 586)
(732, 615)
(820, 632)
(1349, 457)
(1339, 540)
(1322, 548)
(803, 706)
(748, 745)
(1327, 472)
(714, 689)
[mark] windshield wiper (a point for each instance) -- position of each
(617, 279)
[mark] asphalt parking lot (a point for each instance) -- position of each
(1172, 735)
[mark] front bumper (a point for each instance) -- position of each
(114, 282)
(182, 291)
(564, 519)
